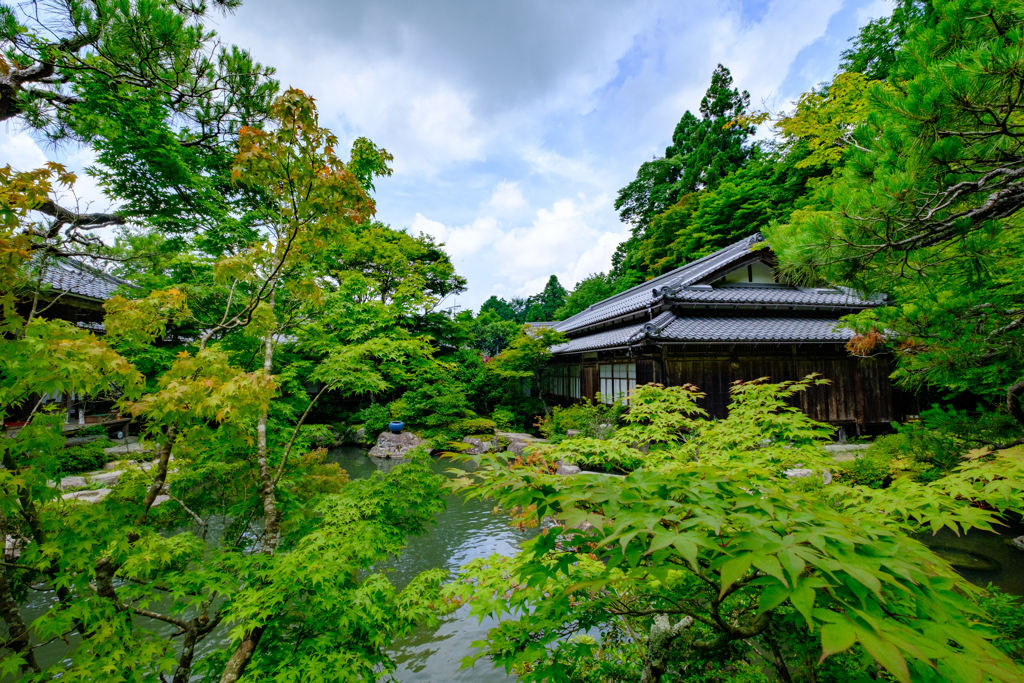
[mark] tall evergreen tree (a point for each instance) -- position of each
(543, 305)
(703, 151)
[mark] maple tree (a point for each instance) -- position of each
(709, 556)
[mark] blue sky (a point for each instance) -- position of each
(513, 124)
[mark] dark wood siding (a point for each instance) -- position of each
(859, 392)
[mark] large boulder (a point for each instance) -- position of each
(478, 445)
(390, 445)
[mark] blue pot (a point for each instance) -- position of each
(396, 427)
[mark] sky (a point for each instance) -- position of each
(514, 124)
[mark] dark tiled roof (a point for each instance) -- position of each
(680, 287)
(639, 297)
(772, 296)
(74, 277)
(672, 327)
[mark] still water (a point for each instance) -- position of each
(465, 530)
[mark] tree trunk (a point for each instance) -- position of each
(188, 647)
(271, 515)
(1013, 402)
(235, 667)
(659, 646)
(159, 478)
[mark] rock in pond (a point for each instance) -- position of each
(1018, 542)
(478, 445)
(391, 445)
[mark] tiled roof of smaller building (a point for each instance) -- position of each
(74, 277)
(672, 327)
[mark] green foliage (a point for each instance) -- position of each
(490, 334)
(540, 307)
(436, 407)
(1007, 616)
(590, 420)
(92, 430)
(707, 550)
(374, 418)
(921, 211)
(875, 48)
(872, 470)
(703, 151)
(317, 436)
(588, 291)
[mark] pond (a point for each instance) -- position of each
(983, 557)
(465, 530)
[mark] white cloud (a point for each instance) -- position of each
(462, 241)
(876, 10)
(556, 235)
(596, 259)
(20, 151)
(507, 198)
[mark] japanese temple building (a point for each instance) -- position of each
(717, 320)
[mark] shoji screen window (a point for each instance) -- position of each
(574, 381)
(617, 380)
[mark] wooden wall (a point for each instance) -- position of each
(860, 392)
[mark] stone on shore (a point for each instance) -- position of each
(129, 450)
(567, 470)
(478, 445)
(91, 496)
(390, 445)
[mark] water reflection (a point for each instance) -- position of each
(1004, 560)
(465, 530)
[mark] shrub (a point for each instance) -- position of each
(504, 418)
(85, 458)
(435, 407)
(873, 472)
(374, 418)
(92, 430)
(476, 425)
